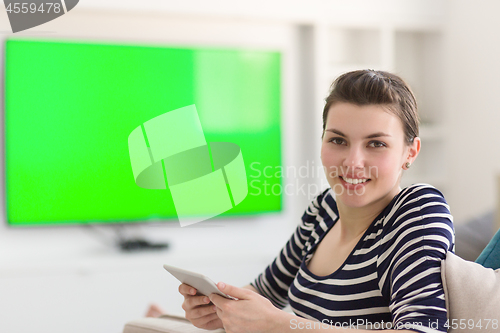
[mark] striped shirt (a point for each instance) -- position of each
(392, 276)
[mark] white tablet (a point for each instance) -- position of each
(202, 284)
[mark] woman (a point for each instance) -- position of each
(367, 253)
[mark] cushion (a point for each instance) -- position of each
(490, 257)
(164, 324)
(472, 294)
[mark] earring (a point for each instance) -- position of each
(407, 165)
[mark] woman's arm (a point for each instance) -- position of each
(276, 279)
(254, 313)
(416, 244)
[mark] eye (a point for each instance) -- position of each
(337, 141)
(376, 144)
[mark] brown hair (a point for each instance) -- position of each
(365, 87)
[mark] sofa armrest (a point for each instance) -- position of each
(472, 294)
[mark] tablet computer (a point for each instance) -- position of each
(198, 281)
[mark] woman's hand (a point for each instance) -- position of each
(199, 310)
(250, 313)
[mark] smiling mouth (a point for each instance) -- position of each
(355, 181)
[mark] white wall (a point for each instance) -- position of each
(472, 85)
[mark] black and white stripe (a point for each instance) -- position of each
(392, 275)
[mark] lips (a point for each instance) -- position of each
(353, 183)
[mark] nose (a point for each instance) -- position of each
(354, 158)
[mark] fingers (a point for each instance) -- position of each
(191, 302)
(214, 324)
(219, 300)
(199, 309)
(201, 312)
(194, 309)
(210, 322)
(240, 293)
(187, 290)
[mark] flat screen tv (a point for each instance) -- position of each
(70, 106)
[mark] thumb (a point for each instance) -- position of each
(239, 293)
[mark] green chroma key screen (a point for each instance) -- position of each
(70, 107)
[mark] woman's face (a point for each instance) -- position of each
(364, 153)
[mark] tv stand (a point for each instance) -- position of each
(122, 239)
(140, 244)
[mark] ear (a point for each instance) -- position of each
(412, 152)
